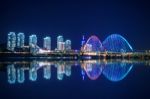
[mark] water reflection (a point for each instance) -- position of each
(93, 69)
(113, 70)
(117, 71)
(11, 72)
(47, 72)
(20, 75)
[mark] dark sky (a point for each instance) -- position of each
(72, 19)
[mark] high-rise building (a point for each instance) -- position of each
(32, 40)
(60, 43)
(11, 41)
(68, 45)
(61, 46)
(33, 44)
(20, 40)
(47, 43)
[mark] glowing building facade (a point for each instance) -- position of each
(47, 43)
(33, 44)
(60, 43)
(32, 40)
(20, 40)
(68, 45)
(11, 41)
(61, 46)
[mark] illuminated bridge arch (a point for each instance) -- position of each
(93, 44)
(117, 43)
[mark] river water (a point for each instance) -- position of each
(86, 79)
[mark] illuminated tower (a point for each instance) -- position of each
(47, 43)
(11, 41)
(68, 45)
(20, 40)
(82, 42)
(32, 40)
(33, 44)
(60, 43)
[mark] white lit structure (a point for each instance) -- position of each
(47, 43)
(11, 41)
(33, 44)
(82, 43)
(61, 46)
(20, 40)
(60, 43)
(32, 40)
(68, 45)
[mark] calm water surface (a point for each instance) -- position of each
(90, 79)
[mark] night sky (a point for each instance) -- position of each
(72, 19)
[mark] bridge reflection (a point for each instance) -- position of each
(117, 71)
(113, 70)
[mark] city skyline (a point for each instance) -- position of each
(74, 43)
(15, 40)
(113, 42)
(115, 46)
